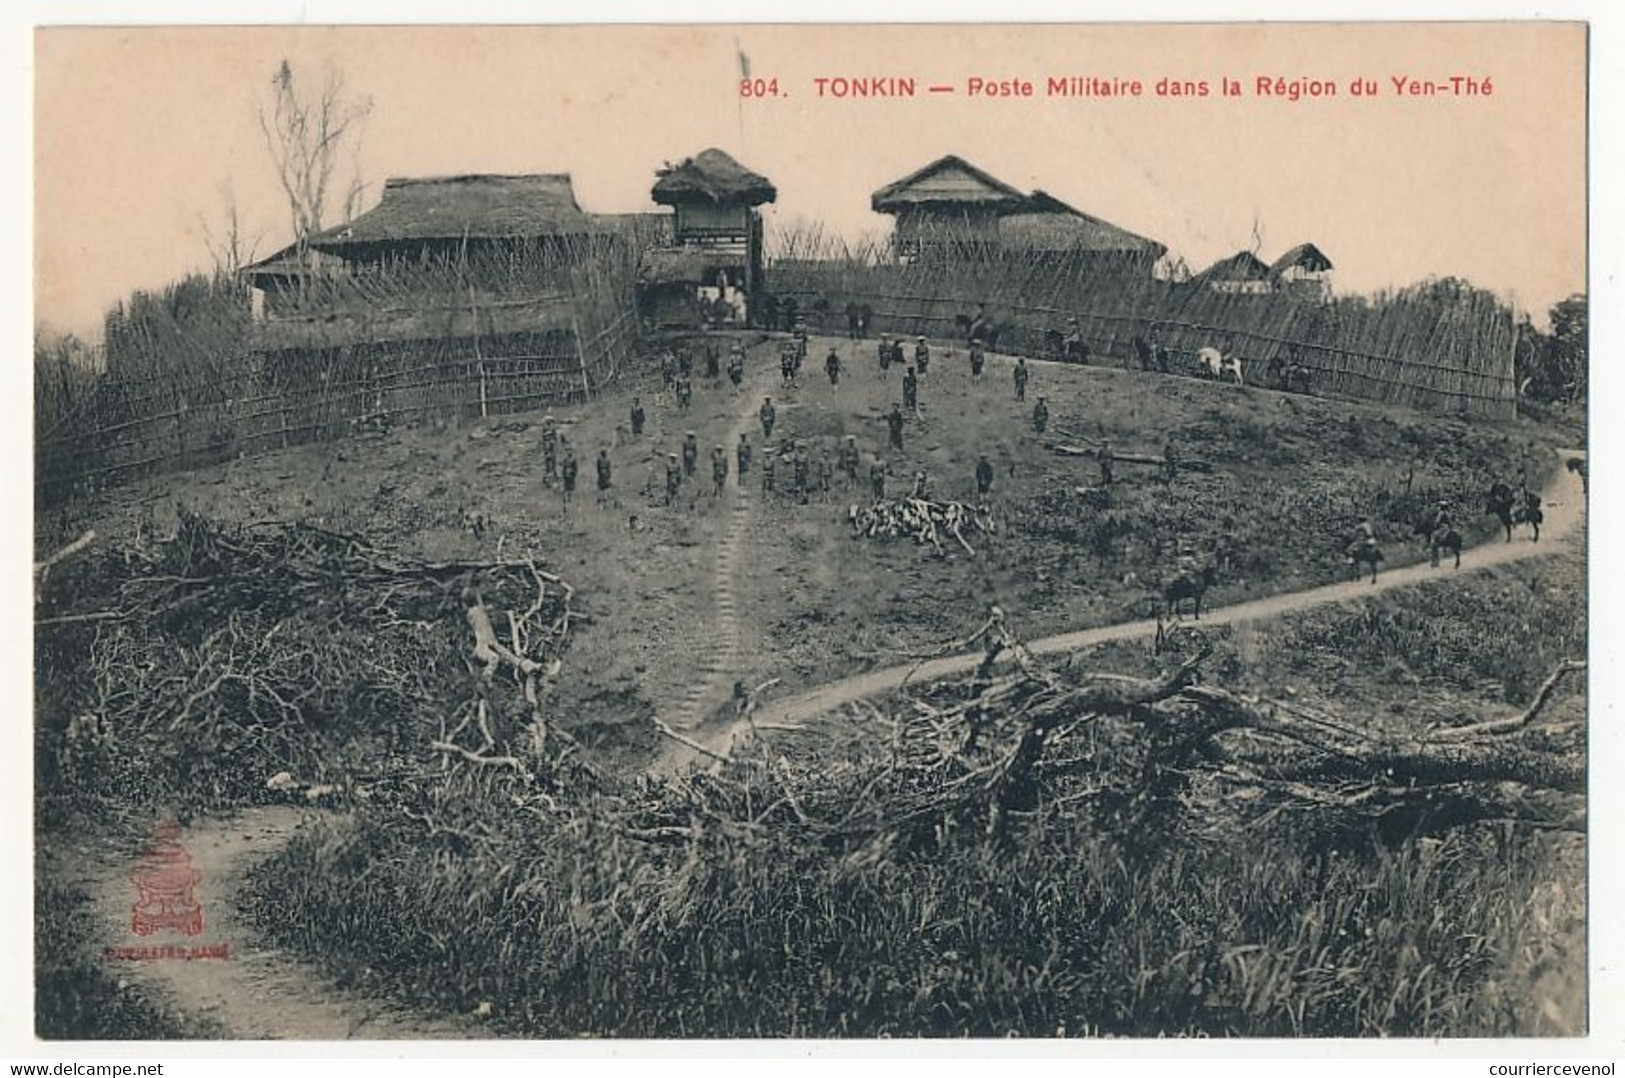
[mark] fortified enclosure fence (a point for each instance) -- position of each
(193, 378)
(1441, 345)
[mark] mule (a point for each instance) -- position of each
(1448, 541)
(1188, 585)
(1513, 510)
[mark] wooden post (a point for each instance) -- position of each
(581, 353)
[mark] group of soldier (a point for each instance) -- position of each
(795, 469)
(561, 469)
(677, 371)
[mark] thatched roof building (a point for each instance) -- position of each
(947, 185)
(714, 177)
(1241, 272)
(1048, 225)
(438, 211)
(1305, 258)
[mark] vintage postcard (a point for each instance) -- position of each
(825, 532)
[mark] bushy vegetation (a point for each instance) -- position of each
(573, 928)
(1123, 893)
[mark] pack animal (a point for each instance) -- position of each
(1445, 540)
(1188, 585)
(1512, 510)
(1219, 366)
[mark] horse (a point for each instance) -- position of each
(1369, 554)
(1512, 511)
(1449, 541)
(1188, 585)
(1498, 504)
(1218, 365)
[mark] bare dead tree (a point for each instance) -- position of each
(230, 248)
(308, 134)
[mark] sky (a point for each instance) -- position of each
(140, 132)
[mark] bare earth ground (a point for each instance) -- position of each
(683, 600)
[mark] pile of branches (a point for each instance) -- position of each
(1139, 758)
(921, 519)
(253, 655)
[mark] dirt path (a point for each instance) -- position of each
(1564, 502)
(257, 993)
(722, 635)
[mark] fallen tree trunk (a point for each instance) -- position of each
(1184, 463)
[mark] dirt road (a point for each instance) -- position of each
(1564, 502)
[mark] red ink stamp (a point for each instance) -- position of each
(166, 882)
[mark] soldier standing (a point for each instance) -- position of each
(674, 477)
(849, 460)
(719, 471)
(605, 471)
(1170, 462)
(767, 472)
(768, 415)
(885, 354)
(1105, 458)
(742, 455)
(637, 418)
(736, 369)
(550, 450)
(922, 486)
(978, 359)
(894, 423)
(877, 479)
(911, 391)
(668, 370)
(802, 483)
(685, 392)
(832, 367)
(1040, 415)
(712, 359)
(568, 469)
(826, 473)
(984, 475)
(922, 356)
(691, 454)
(685, 363)
(1020, 377)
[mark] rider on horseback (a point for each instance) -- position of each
(1186, 564)
(1365, 538)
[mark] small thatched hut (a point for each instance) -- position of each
(1242, 272)
(1304, 269)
